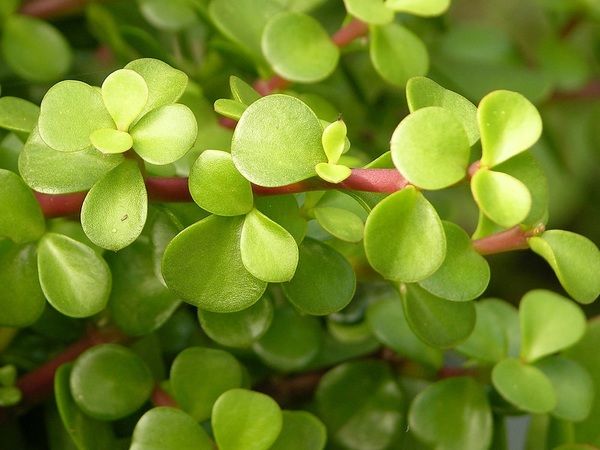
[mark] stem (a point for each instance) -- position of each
(47, 9)
(160, 397)
(512, 239)
(591, 91)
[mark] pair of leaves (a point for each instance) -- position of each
(334, 144)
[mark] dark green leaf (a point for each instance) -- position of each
(301, 431)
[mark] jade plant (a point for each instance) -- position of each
(297, 225)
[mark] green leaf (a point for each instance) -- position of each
(333, 173)
(125, 94)
(301, 431)
(110, 382)
(21, 218)
(7, 8)
(268, 251)
(165, 134)
(74, 278)
(549, 323)
(573, 385)
(422, 92)
(334, 140)
(109, 140)
(174, 15)
(218, 187)
(286, 351)
(165, 428)
(453, 414)
(246, 420)
(509, 124)
(341, 223)
(397, 53)
(21, 298)
(70, 112)
(238, 329)
(165, 84)
(114, 211)
(426, 8)
(438, 322)
(218, 370)
(464, 275)
(213, 276)
(230, 108)
(388, 323)
(430, 148)
(501, 197)
(370, 11)
(362, 405)
(277, 141)
(34, 49)
(242, 91)
(524, 386)
(575, 260)
(404, 237)
(324, 281)
(284, 210)
(299, 48)
(17, 114)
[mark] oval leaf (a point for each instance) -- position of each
(424, 8)
(125, 94)
(369, 11)
(301, 431)
(109, 140)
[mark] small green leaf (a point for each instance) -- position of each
(422, 92)
(509, 124)
(549, 323)
(334, 140)
(9, 396)
(397, 53)
(369, 11)
(21, 218)
(174, 15)
(501, 197)
(268, 251)
(299, 48)
(218, 370)
(125, 94)
(213, 276)
(430, 148)
(333, 173)
(70, 112)
(464, 274)
(114, 211)
(238, 329)
(230, 108)
(341, 223)
(17, 114)
(218, 187)
(277, 141)
(324, 281)
(425, 8)
(284, 210)
(165, 134)
(301, 431)
(75, 280)
(246, 420)
(453, 414)
(109, 140)
(8, 375)
(242, 91)
(524, 386)
(165, 428)
(404, 237)
(438, 322)
(575, 260)
(110, 382)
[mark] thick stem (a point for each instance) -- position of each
(160, 397)
(47, 9)
(505, 241)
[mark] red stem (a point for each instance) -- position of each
(591, 91)
(160, 397)
(47, 9)
(505, 241)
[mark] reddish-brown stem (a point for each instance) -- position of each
(60, 205)
(160, 397)
(591, 91)
(275, 83)
(451, 372)
(505, 241)
(47, 9)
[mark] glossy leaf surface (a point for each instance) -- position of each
(125, 94)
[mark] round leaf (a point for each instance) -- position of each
(509, 124)
(369, 11)
(430, 148)
(333, 173)
(18, 115)
(324, 281)
(218, 187)
(277, 141)
(174, 15)
(301, 431)
(284, 210)
(109, 382)
(424, 8)
(246, 420)
(109, 140)
(125, 94)
(341, 223)
(404, 237)
(74, 278)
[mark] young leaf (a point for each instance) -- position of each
(301, 431)
(109, 140)
(334, 140)
(218, 187)
(370, 11)
(549, 323)
(430, 148)
(242, 91)
(333, 173)
(114, 211)
(404, 237)
(509, 124)
(299, 48)
(230, 108)
(125, 94)
(246, 420)
(213, 276)
(424, 8)
(18, 115)
(575, 260)
(324, 281)
(268, 251)
(277, 141)
(74, 278)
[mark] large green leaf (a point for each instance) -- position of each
(213, 276)
(17, 114)
(277, 141)
(114, 211)
(301, 431)
(404, 237)
(74, 278)
(125, 94)
(419, 7)
(370, 11)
